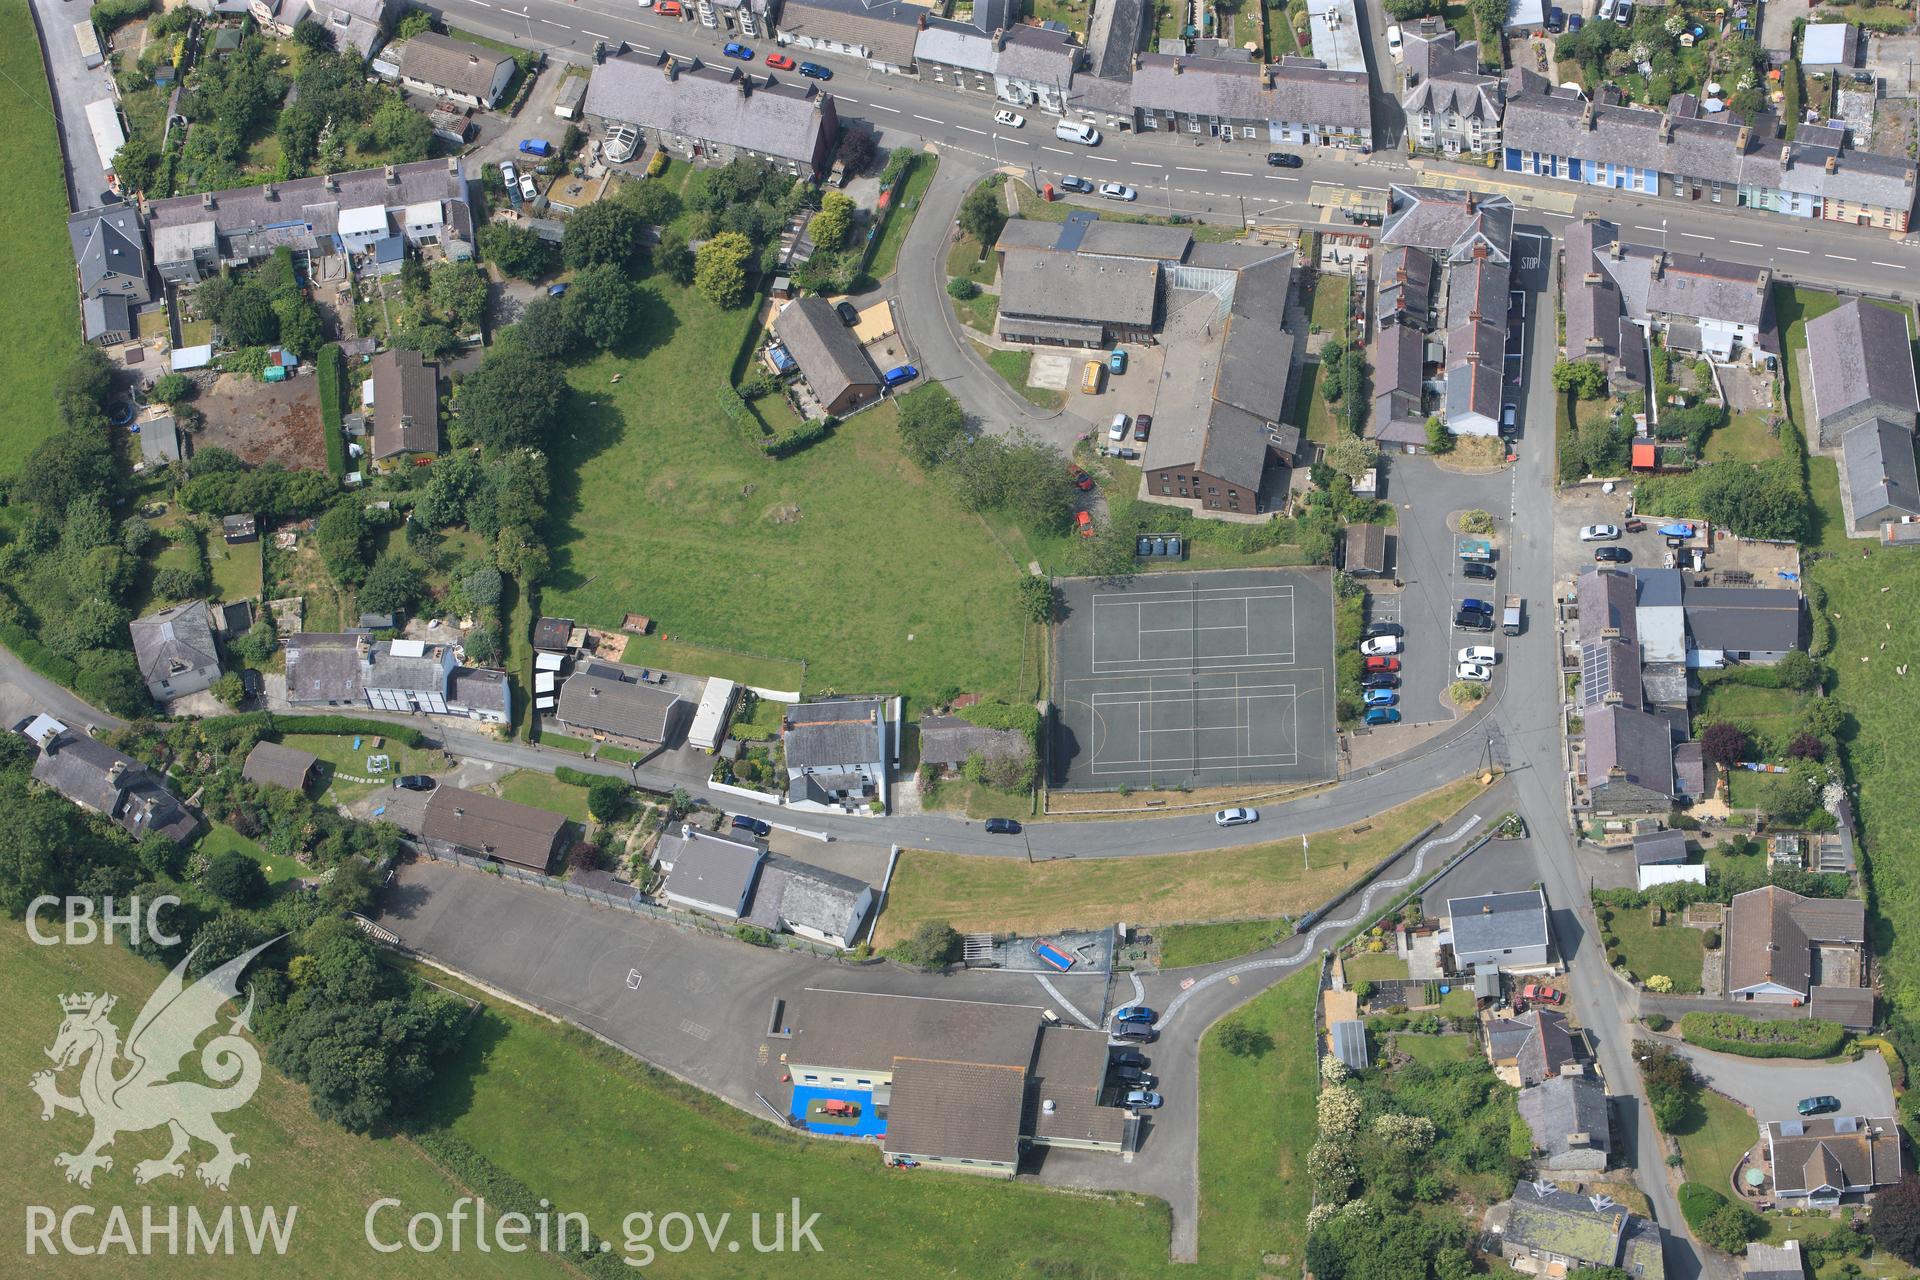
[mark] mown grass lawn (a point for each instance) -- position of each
(1749, 790)
(1329, 310)
(40, 325)
(544, 791)
(670, 653)
(1002, 895)
(1713, 1137)
(900, 215)
(236, 568)
(1183, 946)
(1671, 949)
(844, 554)
(1256, 1127)
(1745, 438)
(337, 757)
(966, 259)
(297, 1158)
(1434, 1051)
(1014, 368)
(978, 312)
(1370, 967)
(220, 838)
(657, 1145)
(1771, 715)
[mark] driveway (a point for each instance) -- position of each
(1773, 1087)
(74, 86)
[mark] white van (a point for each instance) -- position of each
(1395, 46)
(1605, 12)
(1074, 131)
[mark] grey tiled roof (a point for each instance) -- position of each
(108, 241)
(627, 710)
(447, 63)
(1658, 284)
(1859, 353)
(287, 767)
(1764, 618)
(1881, 478)
(94, 775)
(480, 689)
(710, 868)
(826, 734)
(322, 667)
(955, 1110)
(825, 349)
(1239, 91)
(1605, 599)
(1448, 222)
(1135, 240)
(710, 103)
(105, 317)
(176, 640)
(859, 1029)
(406, 404)
(885, 28)
(1498, 921)
(956, 44)
(303, 208)
(1399, 363)
(1658, 848)
(1037, 55)
(1640, 745)
(1406, 284)
(1114, 35)
(1562, 1106)
(793, 893)
(1067, 286)
(488, 826)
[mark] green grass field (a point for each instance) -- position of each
(1183, 946)
(978, 312)
(298, 1159)
(1745, 438)
(1256, 1126)
(965, 259)
(1771, 715)
(1434, 1051)
(1367, 967)
(236, 568)
(220, 838)
(337, 756)
(1713, 1137)
(544, 791)
(1329, 310)
(900, 216)
(653, 1144)
(661, 508)
(670, 653)
(1749, 790)
(40, 328)
(1671, 949)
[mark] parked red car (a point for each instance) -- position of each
(780, 62)
(668, 8)
(1085, 522)
(1382, 664)
(1539, 993)
(1081, 480)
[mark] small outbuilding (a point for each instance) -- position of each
(280, 766)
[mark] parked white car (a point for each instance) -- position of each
(1117, 191)
(1011, 119)
(527, 190)
(1473, 671)
(1380, 646)
(1118, 429)
(1235, 817)
(1599, 532)
(509, 174)
(1394, 44)
(1484, 653)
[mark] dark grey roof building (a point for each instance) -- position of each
(722, 112)
(1505, 930)
(1860, 363)
(1571, 1122)
(1659, 848)
(596, 702)
(116, 786)
(176, 650)
(837, 371)
(1534, 1047)
(405, 413)
(280, 766)
(457, 69)
(1629, 761)
(1741, 624)
(1297, 101)
(107, 321)
(708, 872)
(1543, 1230)
(1073, 299)
(1877, 460)
(1115, 34)
(881, 31)
(110, 252)
(837, 753)
(810, 901)
(479, 825)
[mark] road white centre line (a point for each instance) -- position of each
(1747, 244)
(1281, 177)
(1187, 168)
(1695, 235)
(1840, 257)
(929, 119)
(1234, 173)
(551, 23)
(1059, 151)
(1143, 164)
(1104, 159)
(1784, 249)
(881, 106)
(1897, 266)
(595, 34)
(969, 129)
(1373, 188)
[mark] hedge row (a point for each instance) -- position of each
(788, 443)
(1754, 1038)
(330, 369)
(270, 723)
(505, 1193)
(575, 777)
(36, 655)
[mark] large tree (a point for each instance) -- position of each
(607, 231)
(720, 268)
(392, 585)
(1895, 1221)
(516, 250)
(982, 214)
(248, 317)
(344, 541)
(1723, 744)
(604, 305)
(459, 292)
(513, 399)
(931, 423)
(548, 329)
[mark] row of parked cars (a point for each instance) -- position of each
(1380, 672)
(1133, 1024)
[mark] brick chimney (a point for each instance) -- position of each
(999, 39)
(1833, 164)
(1660, 265)
(267, 191)
(393, 174)
(331, 182)
(1588, 116)
(1786, 157)
(1666, 127)
(1744, 142)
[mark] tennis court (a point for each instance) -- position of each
(1195, 678)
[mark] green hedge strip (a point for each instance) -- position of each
(1755, 1038)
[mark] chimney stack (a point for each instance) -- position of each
(1176, 66)
(999, 39)
(206, 200)
(1666, 127)
(1786, 157)
(1833, 164)
(331, 182)
(393, 174)
(116, 771)
(1745, 140)
(1587, 117)
(267, 192)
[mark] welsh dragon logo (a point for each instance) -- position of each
(130, 1089)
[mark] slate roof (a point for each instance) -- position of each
(956, 1110)
(302, 209)
(796, 893)
(406, 404)
(1449, 223)
(82, 769)
(1882, 481)
(1405, 285)
(1366, 548)
(1103, 239)
(1858, 353)
(825, 349)
(709, 103)
(1069, 286)
(710, 868)
(1743, 618)
(103, 317)
(487, 826)
(1498, 921)
(1285, 92)
(1113, 37)
(1640, 745)
(323, 667)
(447, 63)
(885, 28)
(1557, 1108)
(1659, 848)
(1609, 672)
(1770, 933)
(1399, 371)
(626, 709)
(1690, 769)
(1708, 150)
(1069, 1070)
(480, 689)
(834, 733)
(1031, 54)
(859, 1029)
(1774, 1262)
(1833, 1151)
(174, 641)
(949, 740)
(288, 767)
(106, 242)
(1605, 599)
(1537, 1043)
(1590, 1229)
(389, 668)
(160, 440)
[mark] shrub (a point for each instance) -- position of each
(933, 945)
(657, 165)
(1711, 940)
(606, 796)
(1241, 1040)
(962, 288)
(1476, 521)
(1657, 1021)
(1718, 1221)
(1753, 1038)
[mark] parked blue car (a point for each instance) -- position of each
(1117, 362)
(814, 71)
(1381, 698)
(536, 147)
(1133, 1013)
(899, 375)
(1477, 606)
(740, 51)
(1383, 715)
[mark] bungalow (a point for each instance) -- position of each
(1502, 930)
(1757, 626)
(116, 786)
(1571, 1123)
(402, 404)
(176, 650)
(602, 699)
(1544, 1231)
(1819, 1160)
(1531, 1048)
(716, 113)
(1783, 948)
(1861, 369)
(810, 902)
(831, 360)
(837, 753)
(1297, 101)
(458, 69)
(710, 873)
(477, 825)
(1877, 458)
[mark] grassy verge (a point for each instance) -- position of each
(297, 1158)
(40, 326)
(978, 312)
(1713, 1136)
(1014, 367)
(1367, 967)
(1002, 895)
(672, 1145)
(966, 258)
(1256, 1125)
(1183, 946)
(886, 253)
